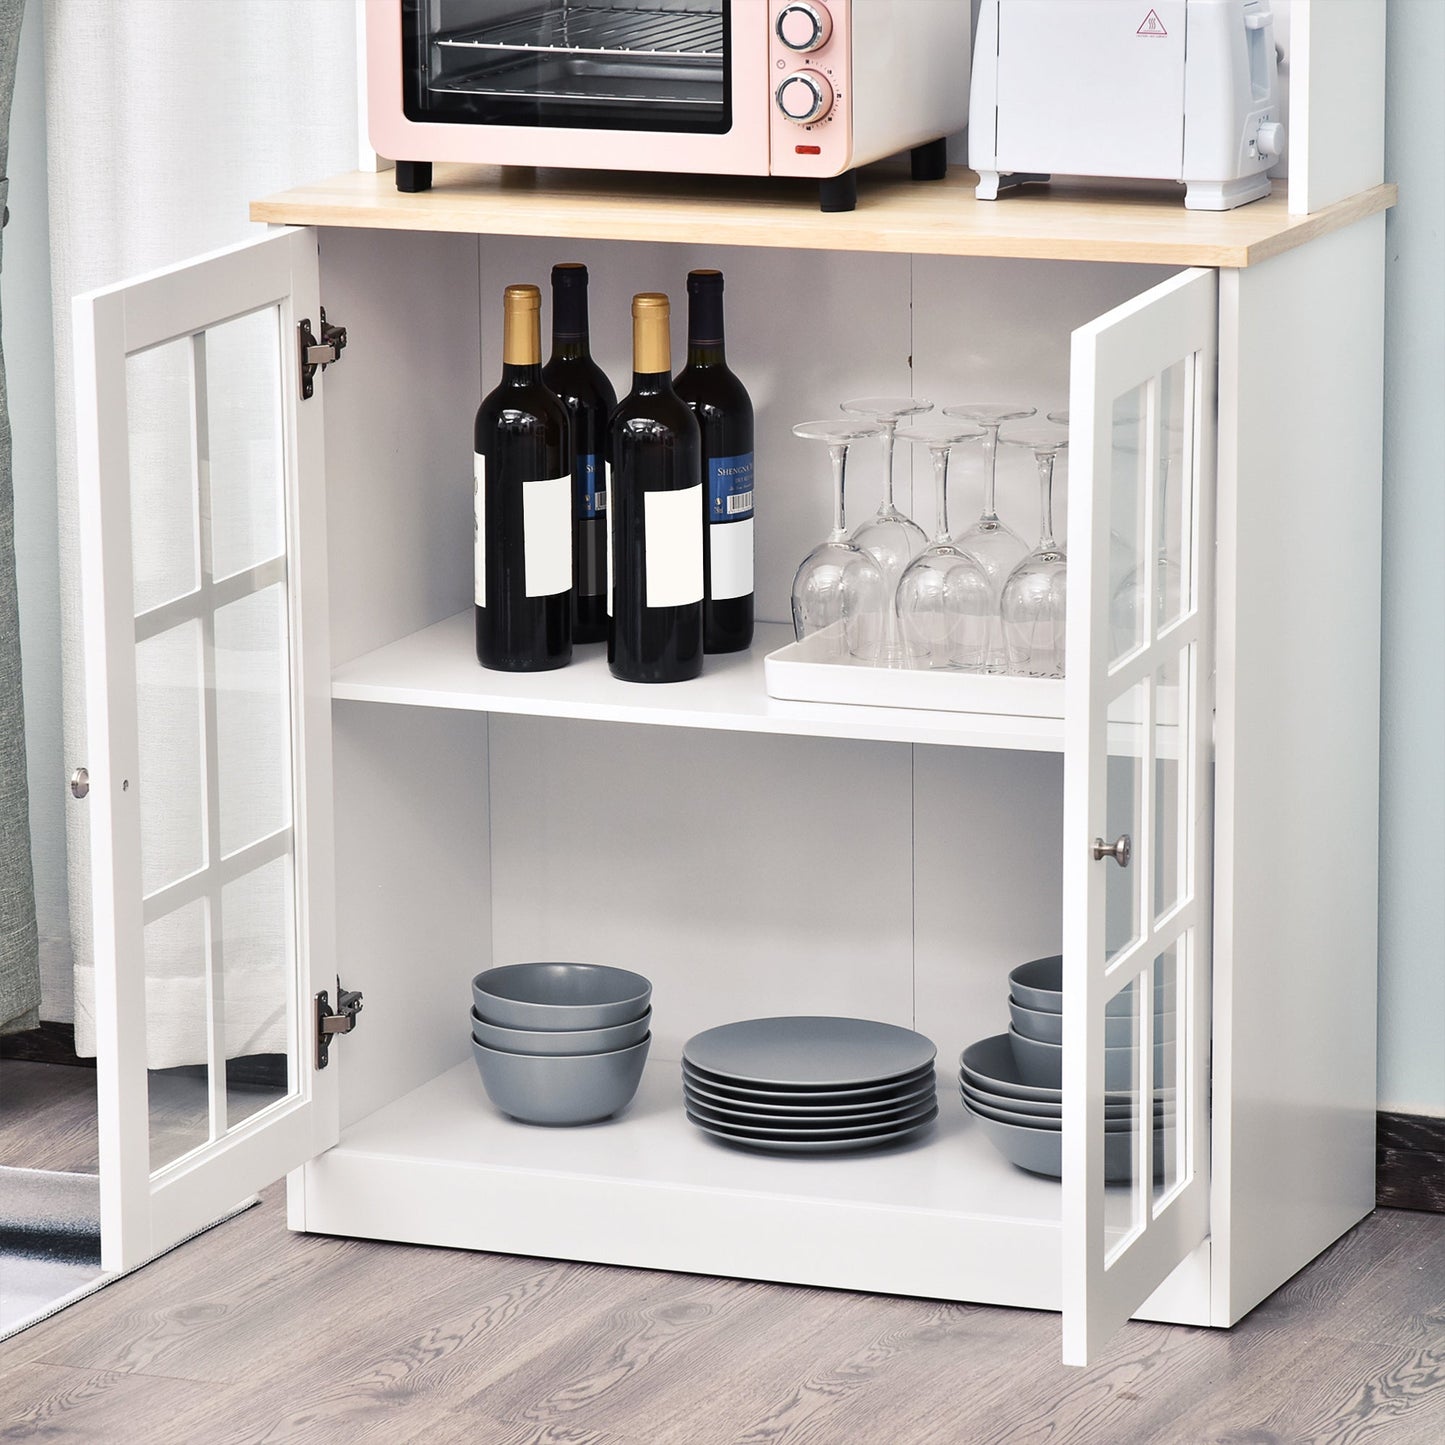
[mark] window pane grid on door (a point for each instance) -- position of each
(238, 788)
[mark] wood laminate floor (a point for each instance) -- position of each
(250, 1333)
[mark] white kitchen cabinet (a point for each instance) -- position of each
(415, 818)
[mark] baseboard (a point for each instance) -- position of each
(54, 1043)
(1410, 1162)
(49, 1044)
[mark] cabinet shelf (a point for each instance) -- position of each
(1141, 223)
(944, 1216)
(437, 668)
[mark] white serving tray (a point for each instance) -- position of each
(798, 672)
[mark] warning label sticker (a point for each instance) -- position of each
(1152, 26)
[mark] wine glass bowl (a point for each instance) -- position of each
(840, 594)
(944, 599)
(1033, 604)
(995, 545)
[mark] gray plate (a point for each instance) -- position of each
(1122, 1110)
(807, 1113)
(1039, 984)
(990, 1065)
(1038, 1121)
(1041, 1151)
(809, 1052)
(792, 1129)
(811, 1098)
(817, 1146)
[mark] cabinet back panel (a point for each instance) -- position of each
(399, 408)
(743, 875)
(754, 875)
(987, 884)
(413, 891)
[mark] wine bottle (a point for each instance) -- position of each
(724, 414)
(590, 400)
(523, 492)
(654, 515)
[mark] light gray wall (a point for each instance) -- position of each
(30, 373)
(1412, 939)
(1412, 771)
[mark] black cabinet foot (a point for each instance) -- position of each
(413, 175)
(838, 193)
(930, 160)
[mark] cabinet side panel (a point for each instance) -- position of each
(1336, 102)
(745, 876)
(399, 410)
(413, 892)
(1297, 750)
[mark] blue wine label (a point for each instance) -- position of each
(730, 488)
(592, 491)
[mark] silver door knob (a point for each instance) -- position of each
(80, 782)
(1121, 850)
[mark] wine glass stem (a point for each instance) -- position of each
(940, 487)
(889, 428)
(1046, 500)
(990, 475)
(838, 451)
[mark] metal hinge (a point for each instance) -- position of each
(314, 354)
(329, 1024)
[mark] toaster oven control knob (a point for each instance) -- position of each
(805, 96)
(1270, 139)
(804, 27)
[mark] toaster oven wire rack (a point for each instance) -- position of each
(598, 30)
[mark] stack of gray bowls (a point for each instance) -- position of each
(1012, 1083)
(560, 1043)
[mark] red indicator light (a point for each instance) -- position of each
(809, 150)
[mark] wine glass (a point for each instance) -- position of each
(944, 598)
(839, 593)
(1033, 603)
(996, 547)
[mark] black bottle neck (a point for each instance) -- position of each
(570, 341)
(651, 383)
(705, 343)
(516, 373)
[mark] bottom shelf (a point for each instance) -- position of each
(944, 1217)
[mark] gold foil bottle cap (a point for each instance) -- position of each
(522, 326)
(651, 344)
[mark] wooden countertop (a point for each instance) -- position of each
(1133, 222)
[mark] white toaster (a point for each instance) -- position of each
(1183, 90)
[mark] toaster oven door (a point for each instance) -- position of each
(594, 65)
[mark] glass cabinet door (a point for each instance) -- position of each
(204, 594)
(1137, 882)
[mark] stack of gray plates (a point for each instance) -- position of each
(809, 1085)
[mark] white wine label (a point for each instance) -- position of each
(479, 527)
(673, 523)
(547, 536)
(608, 475)
(730, 545)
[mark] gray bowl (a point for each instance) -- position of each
(560, 1041)
(561, 1088)
(1048, 1028)
(551, 996)
(1039, 984)
(1042, 1065)
(1041, 1151)
(989, 1064)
